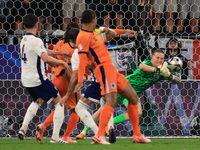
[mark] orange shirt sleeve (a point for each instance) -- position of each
(118, 31)
(83, 44)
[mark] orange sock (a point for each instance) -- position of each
(134, 119)
(49, 120)
(73, 120)
(104, 119)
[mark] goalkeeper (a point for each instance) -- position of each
(148, 73)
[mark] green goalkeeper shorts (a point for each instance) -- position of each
(124, 100)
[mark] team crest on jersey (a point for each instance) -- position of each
(113, 86)
(80, 46)
(156, 77)
(123, 57)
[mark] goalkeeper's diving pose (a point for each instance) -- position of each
(147, 74)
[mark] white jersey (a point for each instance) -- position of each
(33, 71)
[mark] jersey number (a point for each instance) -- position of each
(23, 55)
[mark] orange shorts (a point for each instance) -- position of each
(62, 85)
(110, 79)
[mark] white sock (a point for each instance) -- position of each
(110, 123)
(85, 116)
(57, 120)
(102, 102)
(83, 132)
(30, 113)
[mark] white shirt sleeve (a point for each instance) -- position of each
(75, 60)
(39, 49)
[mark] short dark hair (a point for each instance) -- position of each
(70, 26)
(175, 40)
(73, 33)
(87, 16)
(158, 51)
(30, 20)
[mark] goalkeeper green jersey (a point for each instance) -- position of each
(141, 80)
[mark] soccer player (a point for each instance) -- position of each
(33, 56)
(110, 80)
(92, 93)
(60, 80)
(142, 78)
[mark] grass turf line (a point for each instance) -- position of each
(121, 144)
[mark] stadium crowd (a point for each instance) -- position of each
(159, 16)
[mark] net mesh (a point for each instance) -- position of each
(168, 109)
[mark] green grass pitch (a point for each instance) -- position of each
(121, 144)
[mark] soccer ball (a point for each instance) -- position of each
(175, 64)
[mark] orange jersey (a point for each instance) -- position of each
(62, 85)
(59, 79)
(61, 46)
(90, 41)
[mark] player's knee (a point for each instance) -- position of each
(111, 99)
(79, 109)
(130, 94)
(39, 101)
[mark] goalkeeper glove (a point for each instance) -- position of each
(163, 70)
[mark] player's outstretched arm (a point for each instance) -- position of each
(52, 61)
(165, 72)
(131, 33)
(72, 84)
(127, 32)
(110, 34)
(176, 79)
(146, 68)
(54, 53)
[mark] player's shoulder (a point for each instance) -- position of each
(36, 40)
(85, 34)
(146, 61)
(60, 42)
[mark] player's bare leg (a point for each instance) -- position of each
(131, 95)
